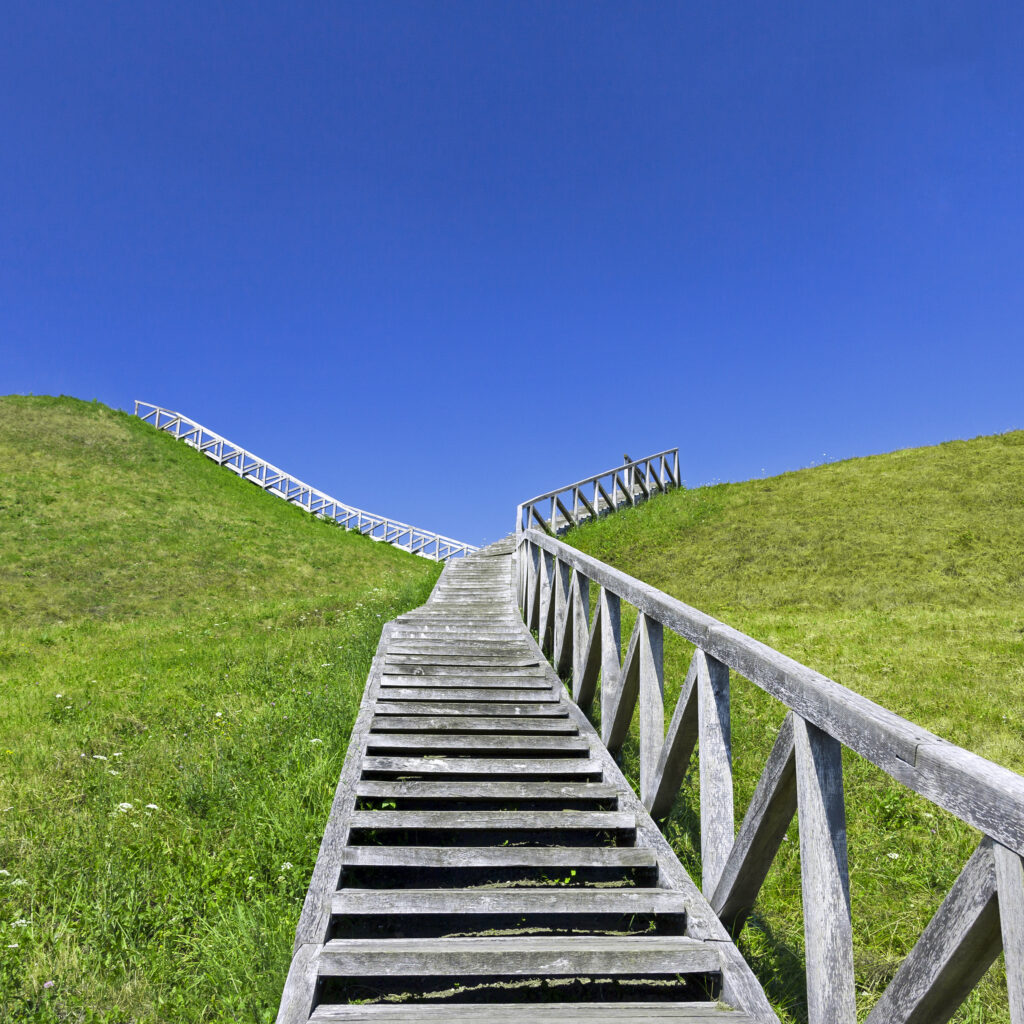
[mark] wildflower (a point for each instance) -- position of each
(326, 664)
(286, 866)
(18, 881)
(152, 807)
(124, 808)
(893, 856)
(12, 945)
(49, 984)
(98, 757)
(5, 872)
(110, 771)
(58, 695)
(316, 740)
(20, 923)
(220, 714)
(116, 753)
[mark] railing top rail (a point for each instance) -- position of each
(597, 476)
(976, 790)
(313, 491)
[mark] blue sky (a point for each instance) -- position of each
(435, 258)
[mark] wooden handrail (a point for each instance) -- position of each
(982, 913)
(639, 477)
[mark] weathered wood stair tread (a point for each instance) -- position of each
(520, 955)
(511, 821)
(534, 1013)
(508, 901)
(482, 831)
(520, 709)
(552, 768)
(541, 857)
(509, 724)
(489, 790)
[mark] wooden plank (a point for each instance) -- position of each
(537, 745)
(1009, 871)
(652, 701)
(616, 718)
(300, 985)
(517, 674)
(764, 826)
(562, 649)
(489, 821)
(505, 724)
(678, 746)
(546, 622)
(538, 682)
(952, 954)
(580, 628)
(313, 921)
(531, 1013)
(585, 685)
(499, 696)
(717, 810)
(496, 708)
(508, 901)
(831, 997)
(419, 789)
(500, 660)
(518, 956)
(552, 767)
(560, 858)
(611, 656)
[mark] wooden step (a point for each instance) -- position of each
(506, 822)
(519, 956)
(532, 1013)
(496, 709)
(562, 859)
(496, 695)
(507, 724)
(508, 901)
(548, 767)
(426, 790)
(539, 746)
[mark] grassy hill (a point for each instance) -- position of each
(181, 660)
(900, 576)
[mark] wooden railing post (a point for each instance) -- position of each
(828, 932)
(717, 811)
(563, 646)
(652, 702)
(611, 658)
(580, 630)
(547, 571)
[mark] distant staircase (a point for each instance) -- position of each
(426, 543)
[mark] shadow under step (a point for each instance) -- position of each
(533, 1013)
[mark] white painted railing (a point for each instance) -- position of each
(621, 487)
(984, 910)
(251, 467)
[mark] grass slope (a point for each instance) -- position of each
(899, 576)
(181, 659)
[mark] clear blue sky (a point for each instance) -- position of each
(437, 257)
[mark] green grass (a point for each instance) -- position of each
(169, 636)
(901, 577)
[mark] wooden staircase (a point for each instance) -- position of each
(485, 859)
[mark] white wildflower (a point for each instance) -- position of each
(116, 753)
(152, 807)
(893, 856)
(220, 714)
(124, 808)
(18, 881)
(316, 740)
(5, 872)
(20, 923)
(286, 866)
(98, 757)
